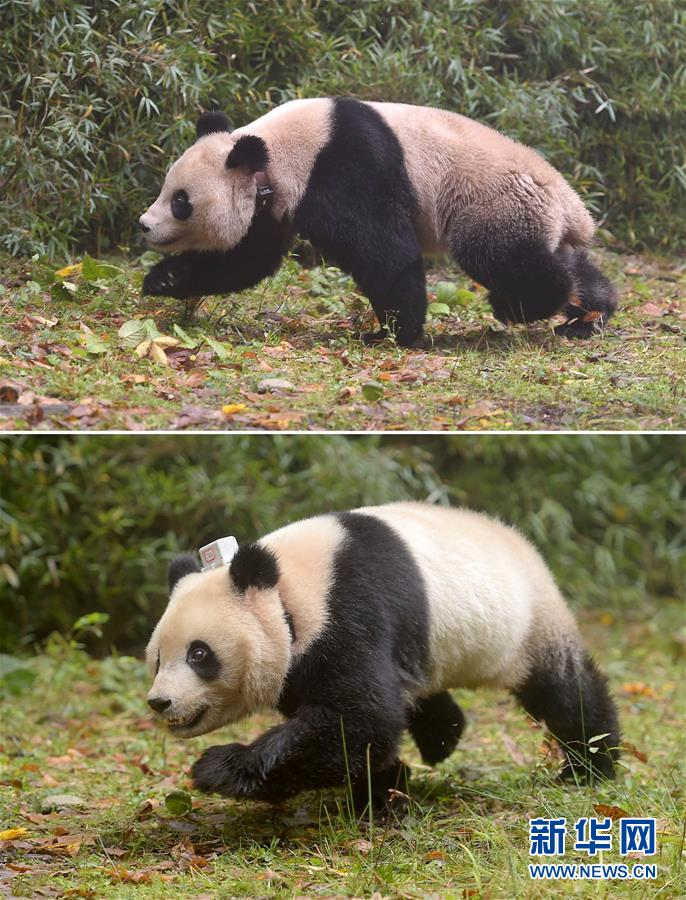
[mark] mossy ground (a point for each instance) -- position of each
(81, 728)
(63, 365)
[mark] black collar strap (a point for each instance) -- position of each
(265, 192)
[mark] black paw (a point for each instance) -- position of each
(169, 278)
(578, 328)
(416, 342)
(402, 340)
(600, 768)
(228, 770)
(388, 789)
(374, 337)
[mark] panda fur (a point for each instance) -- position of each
(373, 186)
(355, 626)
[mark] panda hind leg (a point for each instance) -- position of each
(526, 282)
(569, 693)
(594, 299)
(436, 724)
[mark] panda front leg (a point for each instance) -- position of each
(398, 297)
(393, 777)
(306, 752)
(198, 274)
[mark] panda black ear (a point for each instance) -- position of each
(249, 152)
(182, 565)
(254, 566)
(212, 121)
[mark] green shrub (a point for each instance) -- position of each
(88, 524)
(96, 99)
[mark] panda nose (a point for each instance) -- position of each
(144, 228)
(158, 704)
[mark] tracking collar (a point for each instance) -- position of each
(265, 192)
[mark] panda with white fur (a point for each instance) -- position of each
(355, 626)
(373, 186)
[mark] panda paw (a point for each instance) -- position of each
(228, 770)
(169, 278)
(578, 328)
(412, 341)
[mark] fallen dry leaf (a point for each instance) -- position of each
(613, 812)
(146, 809)
(165, 342)
(127, 876)
(652, 309)
(13, 834)
(66, 271)
(633, 750)
(8, 393)
(362, 846)
(345, 394)
(638, 687)
(232, 408)
(513, 750)
(157, 353)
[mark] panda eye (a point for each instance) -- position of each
(181, 206)
(202, 658)
(198, 655)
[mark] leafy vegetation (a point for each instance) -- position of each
(79, 348)
(97, 99)
(130, 826)
(94, 520)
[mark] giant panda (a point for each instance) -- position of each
(373, 186)
(355, 626)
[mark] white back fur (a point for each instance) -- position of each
(465, 172)
(492, 600)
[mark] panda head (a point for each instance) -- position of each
(209, 196)
(222, 648)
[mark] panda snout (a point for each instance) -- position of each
(159, 704)
(143, 227)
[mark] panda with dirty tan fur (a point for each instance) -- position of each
(355, 626)
(373, 186)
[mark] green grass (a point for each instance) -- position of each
(64, 366)
(81, 728)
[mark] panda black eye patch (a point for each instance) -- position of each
(181, 206)
(203, 660)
